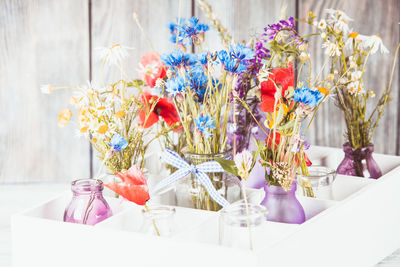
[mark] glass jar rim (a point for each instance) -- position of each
(328, 172)
(219, 154)
(256, 211)
(86, 185)
(158, 211)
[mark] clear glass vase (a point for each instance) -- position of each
(283, 205)
(359, 162)
(318, 184)
(87, 205)
(191, 194)
(158, 221)
(240, 227)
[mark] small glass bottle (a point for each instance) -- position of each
(158, 220)
(359, 162)
(318, 184)
(87, 205)
(241, 227)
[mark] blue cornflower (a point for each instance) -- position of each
(118, 143)
(307, 96)
(175, 85)
(174, 29)
(203, 58)
(177, 59)
(203, 124)
(198, 83)
(237, 59)
(188, 31)
(241, 52)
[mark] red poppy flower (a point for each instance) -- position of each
(280, 77)
(133, 186)
(270, 139)
(151, 68)
(164, 108)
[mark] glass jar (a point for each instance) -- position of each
(283, 205)
(87, 205)
(191, 194)
(241, 229)
(158, 221)
(318, 184)
(359, 162)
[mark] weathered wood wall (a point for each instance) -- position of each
(52, 42)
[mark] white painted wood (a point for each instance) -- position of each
(359, 230)
(42, 42)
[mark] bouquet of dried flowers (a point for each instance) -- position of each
(201, 86)
(348, 53)
(117, 117)
(287, 103)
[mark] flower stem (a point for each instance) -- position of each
(154, 222)
(248, 214)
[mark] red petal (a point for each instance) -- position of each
(136, 176)
(138, 194)
(151, 119)
(168, 111)
(149, 57)
(285, 77)
(268, 87)
(267, 104)
(308, 161)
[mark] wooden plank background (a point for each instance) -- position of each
(53, 42)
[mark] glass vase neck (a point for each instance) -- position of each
(87, 186)
(197, 158)
(362, 152)
(279, 190)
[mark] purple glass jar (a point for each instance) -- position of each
(359, 162)
(87, 205)
(283, 206)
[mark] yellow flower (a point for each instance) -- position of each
(84, 129)
(64, 117)
(323, 90)
(103, 129)
(270, 122)
(83, 116)
(120, 114)
(353, 35)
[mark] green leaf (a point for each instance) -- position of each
(228, 166)
(286, 126)
(136, 83)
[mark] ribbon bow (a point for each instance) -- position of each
(184, 169)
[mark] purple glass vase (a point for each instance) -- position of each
(359, 162)
(87, 205)
(283, 206)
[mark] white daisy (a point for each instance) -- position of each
(374, 41)
(304, 56)
(335, 15)
(356, 75)
(46, 88)
(113, 55)
(331, 49)
(355, 87)
(339, 19)
(322, 24)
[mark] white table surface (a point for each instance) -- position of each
(15, 198)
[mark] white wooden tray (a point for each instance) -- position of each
(359, 228)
